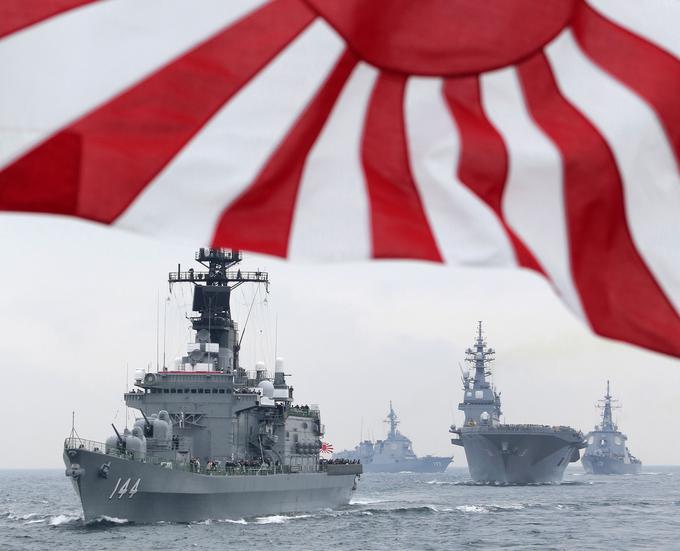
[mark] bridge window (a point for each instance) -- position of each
(214, 391)
(179, 391)
(193, 391)
(166, 391)
(200, 391)
(173, 391)
(221, 391)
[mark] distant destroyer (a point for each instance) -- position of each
(212, 441)
(394, 454)
(500, 453)
(607, 452)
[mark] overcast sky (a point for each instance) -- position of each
(78, 306)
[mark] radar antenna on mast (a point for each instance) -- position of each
(218, 343)
(393, 421)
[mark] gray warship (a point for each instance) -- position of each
(501, 453)
(394, 454)
(607, 452)
(212, 441)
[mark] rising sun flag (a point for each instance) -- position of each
(542, 134)
(326, 447)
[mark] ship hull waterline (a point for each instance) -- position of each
(180, 496)
(420, 465)
(518, 458)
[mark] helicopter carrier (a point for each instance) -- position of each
(394, 454)
(503, 453)
(607, 452)
(212, 441)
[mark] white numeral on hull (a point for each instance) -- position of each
(124, 488)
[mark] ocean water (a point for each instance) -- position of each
(40, 511)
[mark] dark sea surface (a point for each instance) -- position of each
(39, 510)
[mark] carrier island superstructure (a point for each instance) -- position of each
(503, 453)
(212, 440)
(394, 454)
(607, 452)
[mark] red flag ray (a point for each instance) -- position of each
(18, 14)
(653, 73)
(398, 222)
(619, 294)
(483, 163)
(260, 219)
(125, 143)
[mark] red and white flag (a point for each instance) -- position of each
(326, 447)
(542, 134)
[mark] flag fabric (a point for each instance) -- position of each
(326, 447)
(542, 134)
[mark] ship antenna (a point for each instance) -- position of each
(74, 433)
(158, 308)
(127, 412)
(165, 328)
(243, 331)
(276, 337)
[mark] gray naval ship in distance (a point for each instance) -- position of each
(510, 454)
(607, 452)
(212, 441)
(393, 454)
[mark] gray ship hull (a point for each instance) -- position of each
(518, 458)
(420, 465)
(142, 492)
(607, 465)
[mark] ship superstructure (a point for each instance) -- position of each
(394, 453)
(607, 452)
(504, 453)
(213, 440)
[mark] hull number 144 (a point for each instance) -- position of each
(125, 488)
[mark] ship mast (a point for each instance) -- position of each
(606, 406)
(481, 358)
(212, 293)
(393, 421)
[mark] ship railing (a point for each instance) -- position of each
(522, 428)
(234, 276)
(76, 443)
(300, 412)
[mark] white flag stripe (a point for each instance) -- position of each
(658, 26)
(643, 155)
(54, 72)
(466, 230)
(224, 158)
(331, 219)
(533, 202)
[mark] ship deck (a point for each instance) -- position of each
(73, 443)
